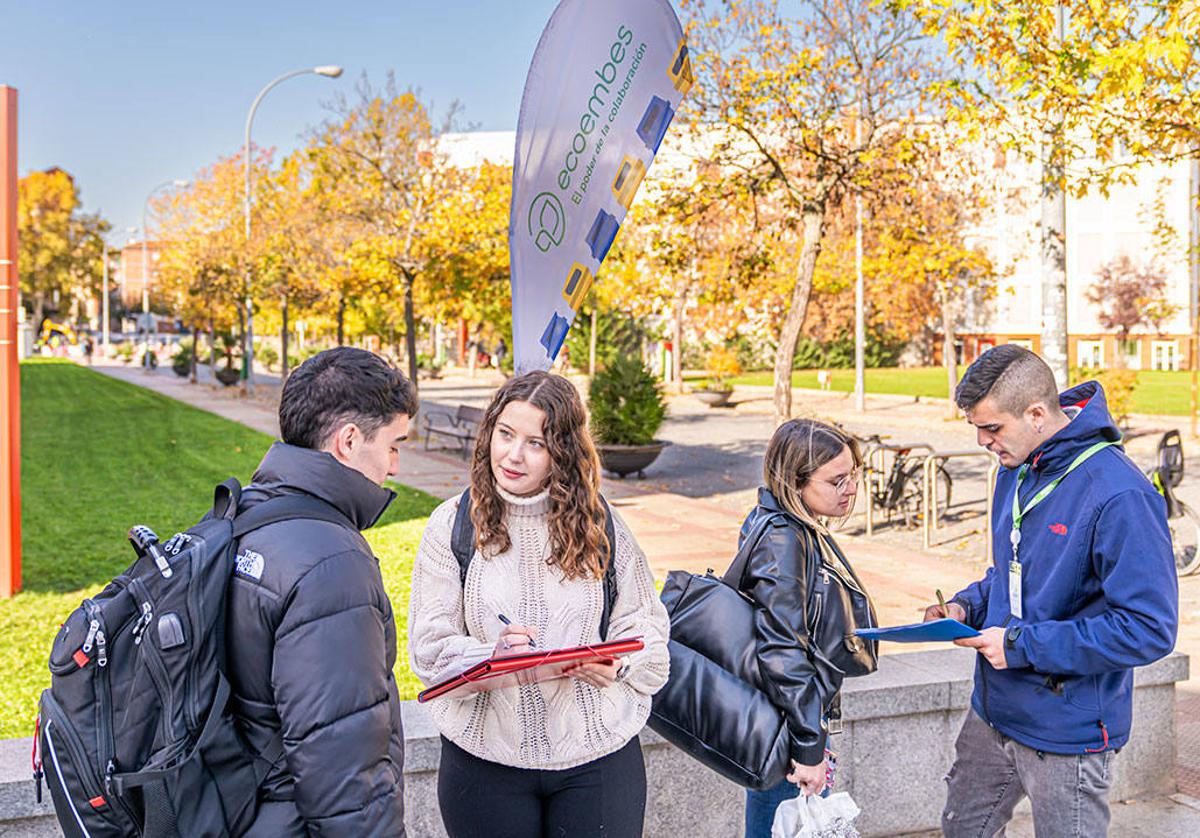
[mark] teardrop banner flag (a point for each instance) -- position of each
(606, 80)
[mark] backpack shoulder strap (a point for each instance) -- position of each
(462, 536)
(287, 508)
(462, 544)
(610, 571)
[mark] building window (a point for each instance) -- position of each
(1164, 355)
(1091, 354)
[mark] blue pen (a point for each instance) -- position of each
(508, 622)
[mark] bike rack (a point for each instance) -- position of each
(874, 465)
(929, 494)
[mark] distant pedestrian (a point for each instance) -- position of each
(89, 348)
(501, 351)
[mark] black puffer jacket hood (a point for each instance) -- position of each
(311, 642)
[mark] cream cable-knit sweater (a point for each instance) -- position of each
(554, 724)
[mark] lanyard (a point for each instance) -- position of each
(1019, 514)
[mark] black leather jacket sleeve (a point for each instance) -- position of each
(333, 683)
(794, 675)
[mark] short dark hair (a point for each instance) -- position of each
(1013, 376)
(338, 386)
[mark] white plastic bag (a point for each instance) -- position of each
(816, 817)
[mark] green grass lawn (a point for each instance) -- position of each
(99, 455)
(1157, 392)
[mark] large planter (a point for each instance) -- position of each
(628, 459)
(713, 398)
(182, 368)
(229, 375)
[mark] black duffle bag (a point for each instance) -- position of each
(714, 706)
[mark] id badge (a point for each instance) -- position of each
(1014, 590)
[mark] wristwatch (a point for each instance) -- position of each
(622, 669)
(1010, 637)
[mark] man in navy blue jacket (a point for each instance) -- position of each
(1081, 590)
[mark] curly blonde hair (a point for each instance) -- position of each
(578, 544)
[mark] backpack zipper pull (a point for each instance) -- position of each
(101, 650)
(142, 623)
(89, 641)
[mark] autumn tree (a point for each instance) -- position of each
(379, 153)
(1093, 90)
(203, 258)
(60, 246)
(296, 249)
(805, 109)
(466, 245)
(1128, 296)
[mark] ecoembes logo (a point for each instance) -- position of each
(547, 219)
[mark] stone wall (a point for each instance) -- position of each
(900, 726)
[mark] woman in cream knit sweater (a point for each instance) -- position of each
(559, 757)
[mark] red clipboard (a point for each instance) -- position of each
(530, 668)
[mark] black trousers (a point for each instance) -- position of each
(481, 799)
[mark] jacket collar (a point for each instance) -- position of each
(289, 469)
(1090, 424)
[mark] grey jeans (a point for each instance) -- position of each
(991, 773)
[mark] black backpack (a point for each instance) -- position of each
(135, 734)
(462, 544)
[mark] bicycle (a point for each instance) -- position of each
(1182, 520)
(904, 487)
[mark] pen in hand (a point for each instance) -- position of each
(942, 602)
(508, 622)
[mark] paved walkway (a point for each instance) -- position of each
(681, 531)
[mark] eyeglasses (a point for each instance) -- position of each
(842, 485)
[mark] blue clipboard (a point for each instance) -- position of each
(934, 630)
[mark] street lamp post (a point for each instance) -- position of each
(178, 184)
(329, 71)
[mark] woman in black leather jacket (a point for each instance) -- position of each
(809, 599)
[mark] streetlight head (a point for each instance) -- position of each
(331, 70)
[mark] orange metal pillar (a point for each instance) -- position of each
(10, 377)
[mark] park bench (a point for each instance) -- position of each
(459, 426)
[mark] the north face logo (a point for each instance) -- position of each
(1058, 529)
(249, 564)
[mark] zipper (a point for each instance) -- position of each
(142, 623)
(63, 783)
(818, 610)
(155, 666)
(196, 619)
(108, 745)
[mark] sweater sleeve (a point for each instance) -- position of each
(439, 645)
(638, 611)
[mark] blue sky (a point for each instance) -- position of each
(126, 95)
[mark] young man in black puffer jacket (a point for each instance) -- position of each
(310, 633)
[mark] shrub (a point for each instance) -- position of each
(617, 334)
(722, 365)
(1118, 388)
(625, 403)
(267, 353)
